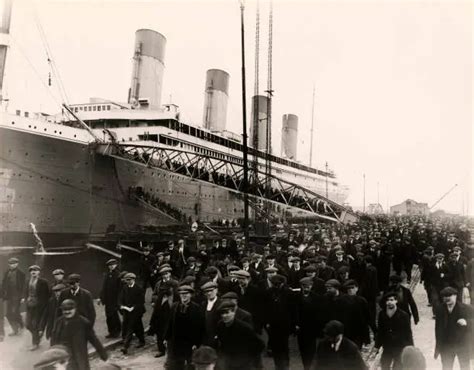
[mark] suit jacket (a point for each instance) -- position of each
(245, 317)
(394, 332)
(347, 357)
(42, 294)
(448, 332)
(133, 297)
(50, 315)
(212, 317)
(185, 330)
(84, 302)
(111, 287)
(440, 278)
(20, 286)
(75, 333)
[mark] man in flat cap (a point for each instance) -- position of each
(457, 265)
(74, 332)
(240, 313)
(308, 319)
(37, 297)
(239, 345)
(453, 330)
(58, 277)
(204, 358)
(335, 351)
(440, 278)
(82, 297)
(109, 296)
(132, 306)
(147, 263)
(211, 315)
(405, 299)
(185, 330)
(280, 320)
(394, 332)
(13, 288)
(52, 311)
(250, 298)
(356, 322)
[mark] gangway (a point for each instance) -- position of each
(227, 171)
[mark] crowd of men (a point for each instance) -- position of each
(335, 287)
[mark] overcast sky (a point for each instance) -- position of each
(393, 79)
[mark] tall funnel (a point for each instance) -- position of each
(5, 14)
(258, 127)
(215, 100)
(148, 67)
(289, 136)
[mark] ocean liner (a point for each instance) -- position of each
(53, 175)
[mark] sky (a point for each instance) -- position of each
(393, 78)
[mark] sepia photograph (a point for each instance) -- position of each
(236, 184)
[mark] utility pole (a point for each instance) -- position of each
(312, 131)
(327, 180)
(244, 128)
(378, 193)
(364, 195)
(388, 210)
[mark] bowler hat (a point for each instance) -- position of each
(204, 355)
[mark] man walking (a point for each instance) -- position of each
(453, 328)
(75, 332)
(109, 297)
(13, 289)
(37, 296)
(394, 332)
(82, 297)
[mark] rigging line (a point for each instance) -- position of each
(49, 54)
(18, 46)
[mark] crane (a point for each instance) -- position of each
(444, 195)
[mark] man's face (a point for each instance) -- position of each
(130, 281)
(228, 315)
(74, 284)
(34, 273)
(331, 290)
(391, 302)
(306, 288)
(450, 300)
(68, 313)
(185, 297)
(112, 266)
(245, 264)
(335, 339)
(352, 290)
(12, 266)
(59, 277)
(271, 261)
(211, 293)
(57, 293)
(243, 281)
(166, 276)
(171, 246)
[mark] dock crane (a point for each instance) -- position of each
(443, 196)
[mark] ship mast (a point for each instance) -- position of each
(5, 12)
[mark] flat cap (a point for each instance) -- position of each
(204, 355)
(277, 279)
(351, 283)
(389, 294)
(191, 259)
(211, 270)
(52, 356)
(226, 304)
(112, 261)
(185, 289)
(208, 286)
(271, 269)
(448, 291)
(270, 257)
(333, 283)
(188, 280)
(306, 281)
(122, 274)
(310, 268)
(68, 304)
(333, 328)
(439, 255)
(395, 279)
(339, 252)
(457, 248)
(233, 268)
(242, 274)
(13, 260)
(34, 268)
(58, 287)
(230, 295)
(130, 275)
(58, 272)
(165, 269)
(74, 278)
